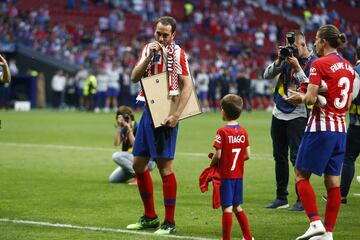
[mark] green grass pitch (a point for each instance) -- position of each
(54, 167)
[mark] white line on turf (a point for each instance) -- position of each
(69, 147)
(60, 225)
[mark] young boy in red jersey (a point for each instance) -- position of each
(231, 150)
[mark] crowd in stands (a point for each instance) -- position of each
(227, 41)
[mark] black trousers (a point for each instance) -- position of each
(56, 99)
(351, 153)
(286, 135)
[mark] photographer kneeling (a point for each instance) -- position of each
(125, 135)
(291, 68)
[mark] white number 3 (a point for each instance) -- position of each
(237, 152)
(341, 102)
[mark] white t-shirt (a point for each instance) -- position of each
(58, 83)
(114, 80)
(202, 82)
(102, 82)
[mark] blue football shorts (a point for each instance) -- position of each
(231, 192)
(144, 144)
(321, 152)
(112, 92)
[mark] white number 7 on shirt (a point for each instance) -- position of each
(237, 152)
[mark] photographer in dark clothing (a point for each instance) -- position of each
(353, 136)
(288, 121)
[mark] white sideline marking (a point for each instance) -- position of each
(68, 147)
(60, 225)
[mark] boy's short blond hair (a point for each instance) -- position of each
(232, 105)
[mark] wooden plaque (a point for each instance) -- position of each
(161, 105)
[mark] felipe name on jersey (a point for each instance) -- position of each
(340, 65)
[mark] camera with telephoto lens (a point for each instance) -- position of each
(126, 117)
(290, 49)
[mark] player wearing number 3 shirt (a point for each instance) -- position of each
(322, 148)
(231, 150)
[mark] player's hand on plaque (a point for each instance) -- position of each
(171, 121)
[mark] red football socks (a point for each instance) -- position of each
(146, 190)
(226, 225)
(332, 207)
(308, 199)
(169, 193)
(244, 224)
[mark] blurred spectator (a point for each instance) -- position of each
(13, 67)
(202, 83)
(113, 88)
(225, 80)
(70, 4)
(214, 93)
(80, 79)
(89, 92)
(84, 5)
(70, 93)
(125, 96)
(58, 83)
(102, 81)
(244, 89)
(259, 38)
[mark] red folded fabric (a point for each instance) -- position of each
(211, 174)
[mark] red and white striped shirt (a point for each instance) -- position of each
(339, 76)
(158, 64)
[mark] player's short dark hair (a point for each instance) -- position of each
(332, 34)
(125, 110)
(167, 20)
(232, 105)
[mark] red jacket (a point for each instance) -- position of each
(207, 175)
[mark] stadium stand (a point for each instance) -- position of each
(242, 36)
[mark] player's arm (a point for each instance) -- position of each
(247, 153)
(216, 157)
(311, 94)
(140, 68)
(5, 77)
(309, 98)
(184, 98)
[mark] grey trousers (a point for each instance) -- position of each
(125, 170)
